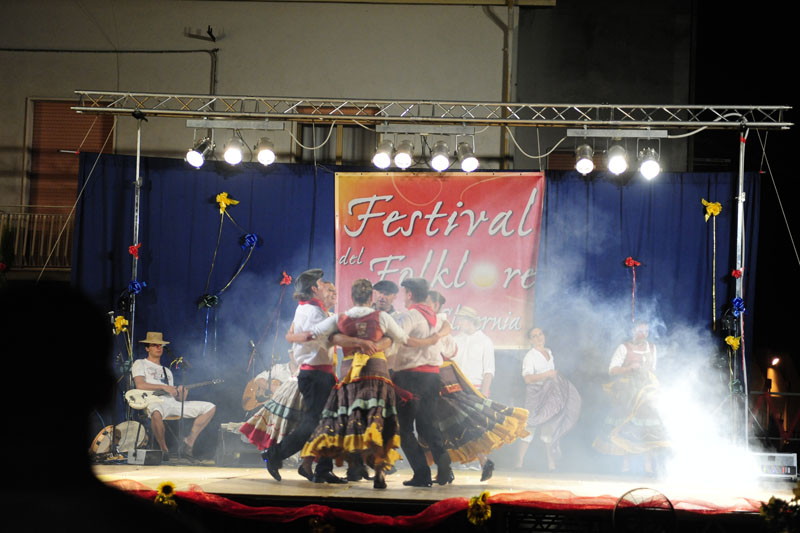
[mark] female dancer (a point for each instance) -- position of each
(552, 401)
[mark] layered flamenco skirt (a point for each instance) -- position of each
(277, 418)
(470, 423)
(360, 417)
(554, 406)
(636, 426)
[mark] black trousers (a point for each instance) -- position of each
(315, 386)
(420, 412)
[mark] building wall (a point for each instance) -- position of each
(265, 49)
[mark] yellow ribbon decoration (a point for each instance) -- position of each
(224, 202)
(120, 325)
(712, 208)
(479, 510)
(732, 341)
(166, 495)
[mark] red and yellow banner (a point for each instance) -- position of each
(474, 237)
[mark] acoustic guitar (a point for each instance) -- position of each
(140, 398)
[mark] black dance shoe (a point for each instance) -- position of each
(358, 473)
(380, 480)
(414, 482)
(444, 473)
(488, 470)
(328, 477)
(272, 463)
(305, 473)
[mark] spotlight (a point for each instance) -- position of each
(617, 160)
(583, 159)
(404, 155)
(233, 151)
(775, 361)
(466, 157)
(383, 155)
(196, 156)
(440, 157)
(649, 166)
(265, 151)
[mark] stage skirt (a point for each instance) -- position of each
(470, 423)
(277, 418)
(360, 417)
(635, 424)
(553, 406)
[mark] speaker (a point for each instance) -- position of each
(145, 457)
(233, 449)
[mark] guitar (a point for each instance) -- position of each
(140, 398)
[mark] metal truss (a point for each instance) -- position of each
(343, 111)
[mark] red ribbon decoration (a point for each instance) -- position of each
(287, 279)
(633, 263)
(134, 250)
(737, 273)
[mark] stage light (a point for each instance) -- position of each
(233, 151)
(265, 151)
(583, 159)
(196, 156)
(649, 166)
(466, 157)
(383, 155)
(775, 361)
(617, 160)
(440, 157)
(404, 155)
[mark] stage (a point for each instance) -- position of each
(528, 500)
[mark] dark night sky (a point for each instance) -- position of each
(746, 58)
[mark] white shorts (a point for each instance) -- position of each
(170, 407)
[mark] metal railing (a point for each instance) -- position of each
(30, 238)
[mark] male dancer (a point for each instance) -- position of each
(417, 371)
(314, 381)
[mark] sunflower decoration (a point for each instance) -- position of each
(733, 342)
(479, 510)
(166, 495)
(120, 327)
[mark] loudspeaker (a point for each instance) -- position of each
(234, 450)
(145, 457)
(777, 465)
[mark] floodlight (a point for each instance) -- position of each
(404, 155)
(583, 159)
(233, 151)
(466, 157)
(196, 156)
(617, 160)
(440, 157)
(383, 155)
(649, 166)
(265, 151)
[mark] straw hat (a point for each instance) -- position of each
(154, 337)
(467, 312)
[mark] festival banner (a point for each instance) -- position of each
(474, 237)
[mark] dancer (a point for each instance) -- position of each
(471, 424)
(552, 401)
(475, 354)
(279, 415)
(359, 421)
(315, 379)
(636, 427)
(417, 371)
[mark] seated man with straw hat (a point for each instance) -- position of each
(150, 374)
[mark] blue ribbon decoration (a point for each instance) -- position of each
(738, 306)
(136, 286)
(250, 240)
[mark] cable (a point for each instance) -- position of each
(780, 203)
(698, 130)
(553, 149)
(328, 138)
(78, 199)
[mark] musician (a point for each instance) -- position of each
(150, 374)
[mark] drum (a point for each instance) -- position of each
(127, 436)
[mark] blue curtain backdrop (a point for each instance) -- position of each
(583, 290)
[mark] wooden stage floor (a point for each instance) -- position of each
(253, 483)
